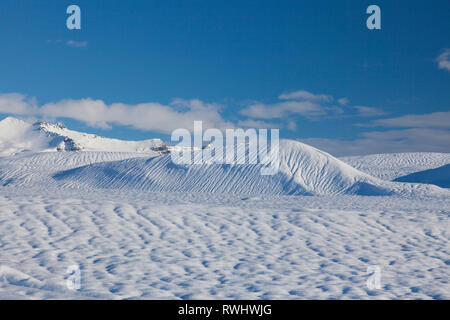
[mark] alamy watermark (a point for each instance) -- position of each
(74, 20)
(73, 281)
(251, 146)
(374, 20)
(374, 279)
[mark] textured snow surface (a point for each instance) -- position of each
(142, 227)
(304, 170)
(30, 169)
(188, 246)
(394, 165)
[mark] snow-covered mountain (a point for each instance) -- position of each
(18, 136)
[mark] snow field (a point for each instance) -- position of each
(170, 247)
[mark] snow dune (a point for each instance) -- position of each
(439, 176)
(304, 170)
(394, 165)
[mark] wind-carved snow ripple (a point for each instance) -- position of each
(226, 248)
(303, 170)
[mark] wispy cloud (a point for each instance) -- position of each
(364, 111)
(301, 102)
(257, 124)
(309, 105)
(409, 133)
(443, 60)
(343, 101)
(305, 95)
(282, 109)
(77, 44)
(430, 120)
(408, 140)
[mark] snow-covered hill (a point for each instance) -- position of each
(393, 165)
(304, 170)
(439, 176)
(18, 136)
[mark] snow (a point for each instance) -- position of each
(393, 165)
(90, 142)
(189, 246)
(304, 170)
(18, 136)
(439, 176)
(141, 227)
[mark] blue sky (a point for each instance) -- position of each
(139, 69)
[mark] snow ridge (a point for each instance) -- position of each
(304, 170)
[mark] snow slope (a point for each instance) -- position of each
(35, 169)
(439, 176)
(304, 170)
(18, 136)
(393, 165)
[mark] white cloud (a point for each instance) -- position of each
(299, 102)
(292, 125)
(364, 111)
(77, 44)
(282, 109)
(430, 120)
(308, 105)
(343, 101)
(257, 124)
(145, 116)
(305, 95)
(416, 133)
(444, 60)
(18, 103)
(408, 140)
